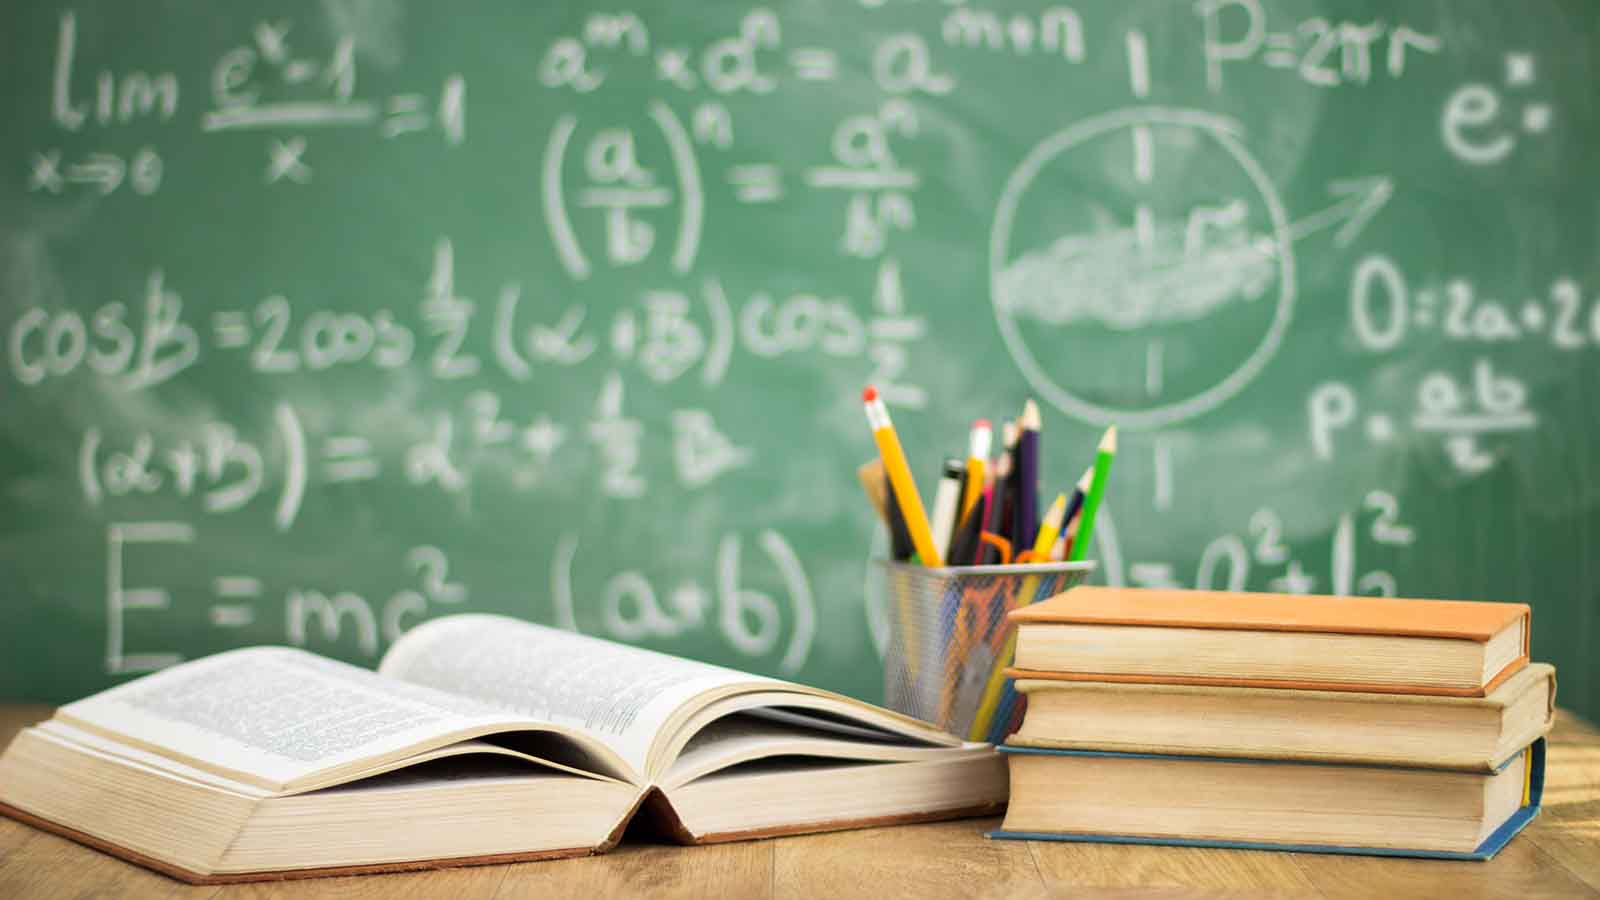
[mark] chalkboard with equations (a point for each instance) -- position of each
(323, 319)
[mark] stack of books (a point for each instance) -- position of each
(1334, 724)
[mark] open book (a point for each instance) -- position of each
(480, 739)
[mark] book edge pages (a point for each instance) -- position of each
(1536, 748)
(659, 806)
(978, 801)
(986, 809)
(1511, 668)
(1534, 672)
(193, 877)
(1536, 675)
(1225, 754)
(1477, 766)
(1492, 845)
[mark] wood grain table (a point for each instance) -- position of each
(1558, 856)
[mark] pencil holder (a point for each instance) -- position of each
(948, 638)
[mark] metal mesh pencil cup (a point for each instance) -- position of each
(948, 632)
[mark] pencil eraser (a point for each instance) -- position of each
(869, 395)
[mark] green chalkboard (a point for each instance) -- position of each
(324, 319)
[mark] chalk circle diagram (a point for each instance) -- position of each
(1141, 267)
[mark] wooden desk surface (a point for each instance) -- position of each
(1558, 856)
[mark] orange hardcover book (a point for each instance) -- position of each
(1375, 644)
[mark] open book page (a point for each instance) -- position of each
(621, 695)
(61, 733)
(753, 735)
(273, 715)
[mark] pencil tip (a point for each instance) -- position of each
(869, 395)
(1030, 415)
(1087, 479)
(1109, 442)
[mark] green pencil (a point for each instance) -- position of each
(1097, 490)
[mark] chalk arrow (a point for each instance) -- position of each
(1360, 200)
(102, 169)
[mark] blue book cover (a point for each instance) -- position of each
(1533, 793)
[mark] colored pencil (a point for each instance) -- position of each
(1050, 529)
(1026, 464)
(1076, 503)
(945, 501)
(966, 541)
(978, 443)
(905, 487)
(1008, 509)
(982, 509)
(995, 520)
(900, 546)
(1097, 491)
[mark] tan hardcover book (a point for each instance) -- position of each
(480, 739)
(1371, 644)
(1076, 795)
(1476, 734)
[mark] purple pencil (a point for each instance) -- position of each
(1026, 526)
(996, 523)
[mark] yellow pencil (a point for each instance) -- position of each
(905, 487)
(977, 463)
(1050, 528)
(992, 689)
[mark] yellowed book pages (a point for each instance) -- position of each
(1469, 734)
